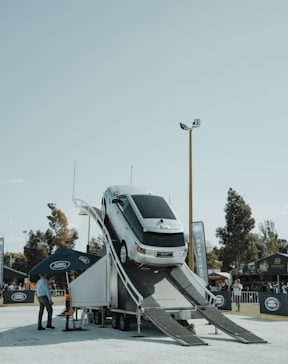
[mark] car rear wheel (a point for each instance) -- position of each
(123, 253)
(103, 209)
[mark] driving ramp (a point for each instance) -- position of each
(210, 313)
(160, 299)
(168, 325)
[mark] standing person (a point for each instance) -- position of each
(237, 289)
(44, 298)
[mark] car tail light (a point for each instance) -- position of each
(140, 250)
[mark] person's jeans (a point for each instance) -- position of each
(44, 302)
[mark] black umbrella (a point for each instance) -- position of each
(64, 260)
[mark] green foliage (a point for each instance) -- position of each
(59, 235)
(236, 236)
(40, 245)
(269, 238)
(239, 245)
(213, 257)
(35, 249)
(15, 260)
(95, 245)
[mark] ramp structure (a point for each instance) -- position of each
(168, 297)
(208, 311)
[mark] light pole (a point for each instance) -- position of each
(85, 213)
(196, 124)
(25, 234)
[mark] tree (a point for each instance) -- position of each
(213, 261)
(236, 236)
(15, 260)
(35, 249)
(59, 235)
(95, 245)
(40, 245)
(269, 238)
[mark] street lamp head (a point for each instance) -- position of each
(196, 123)
(83, 212)
(183, 126)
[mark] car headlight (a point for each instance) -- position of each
(140, 250)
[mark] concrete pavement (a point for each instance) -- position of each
(21, 342)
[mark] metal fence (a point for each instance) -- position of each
(58, 293)
(248, 297)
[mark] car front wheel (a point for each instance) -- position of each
(123, 253)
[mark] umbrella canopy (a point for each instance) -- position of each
(64, 260)
(219, 276)
(216, 277)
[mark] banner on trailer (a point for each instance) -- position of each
(1, 261)
(200, 250)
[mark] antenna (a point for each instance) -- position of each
(74, 177)
(131, 175)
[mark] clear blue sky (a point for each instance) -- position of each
(106, 83)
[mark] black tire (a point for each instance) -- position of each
(123, 255)
(98, 317)
(103, 210)
(115, 320)
(124, 323)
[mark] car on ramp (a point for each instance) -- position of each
(145, 225)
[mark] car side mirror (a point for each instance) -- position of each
(117, 200)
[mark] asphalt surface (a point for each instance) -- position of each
(21, 342)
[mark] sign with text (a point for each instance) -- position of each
(200, 250)
(1, 261)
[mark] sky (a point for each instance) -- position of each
(92, 93)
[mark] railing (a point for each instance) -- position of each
(248, 297)
(58, 293)
(135, 295)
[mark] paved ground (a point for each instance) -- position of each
(21, 342)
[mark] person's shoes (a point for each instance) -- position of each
(50, 327)
(41, 328)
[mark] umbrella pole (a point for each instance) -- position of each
(68, 311)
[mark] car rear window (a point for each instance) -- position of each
(153, 207)
(163, 240)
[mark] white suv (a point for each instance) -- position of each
(145, 225)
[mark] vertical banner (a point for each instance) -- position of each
(1, 261)
(200, 250)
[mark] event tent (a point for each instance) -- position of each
(275, 264)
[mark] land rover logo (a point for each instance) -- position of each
(59, 265)
(84, 260)
(272, 304)
(220, 301)
(18, 296)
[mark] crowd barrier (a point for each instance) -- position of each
(249, 297)
(29, 296)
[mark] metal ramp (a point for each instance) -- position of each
(159, 317)
(168, 325)
(159, 296)
(211, 313)
(141, 289)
